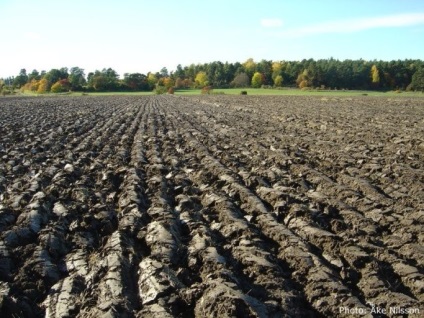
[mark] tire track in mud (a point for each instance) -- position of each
(220, 206)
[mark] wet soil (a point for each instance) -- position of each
(211, 206)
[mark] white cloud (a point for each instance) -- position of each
(271, 23)
(356, 25)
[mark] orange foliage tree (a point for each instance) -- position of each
(43, 86)
(168, 82)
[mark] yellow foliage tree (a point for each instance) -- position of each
(58, 87)
(151, 80)
(375, 75)
(43, 86)
(201, 80)
(303, 80)
(257, 80)
(276, 69)
(34, 84)
(168, 82)
(278, 81)
(249, 67)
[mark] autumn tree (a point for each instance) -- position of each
(277, 69)
(207, 90)
(278, 81)
(2, 87)
(33, 85)
(43, 86)
(201, 79)
(168, 82)
(152, 80)
(179, 82)
(375, 76)
(188, 82)
(257, 80)
(304, 79)
(61, 86)
(249, 67)
(241, 80)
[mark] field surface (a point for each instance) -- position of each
(211, 206)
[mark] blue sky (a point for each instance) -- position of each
(141, 36)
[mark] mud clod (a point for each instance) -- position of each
(211, 206)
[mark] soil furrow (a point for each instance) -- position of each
(243, 206)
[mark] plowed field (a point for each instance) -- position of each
(211, 206)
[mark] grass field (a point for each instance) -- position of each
(251, 91)
(261, 91)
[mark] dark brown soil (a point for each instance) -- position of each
(211, 206)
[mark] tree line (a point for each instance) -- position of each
(324, 74)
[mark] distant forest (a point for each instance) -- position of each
(321, 74)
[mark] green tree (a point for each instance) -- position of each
(229, 70)
(21, 79)
(265, 68)
(179, 72)
(417, 82)
(55, 75)
(76, 78)
(164, 72)
(159, 90)
(257, 80)
(34, 75)
(105, 80)
(190, 71)
(136, 81)
(99, 83)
